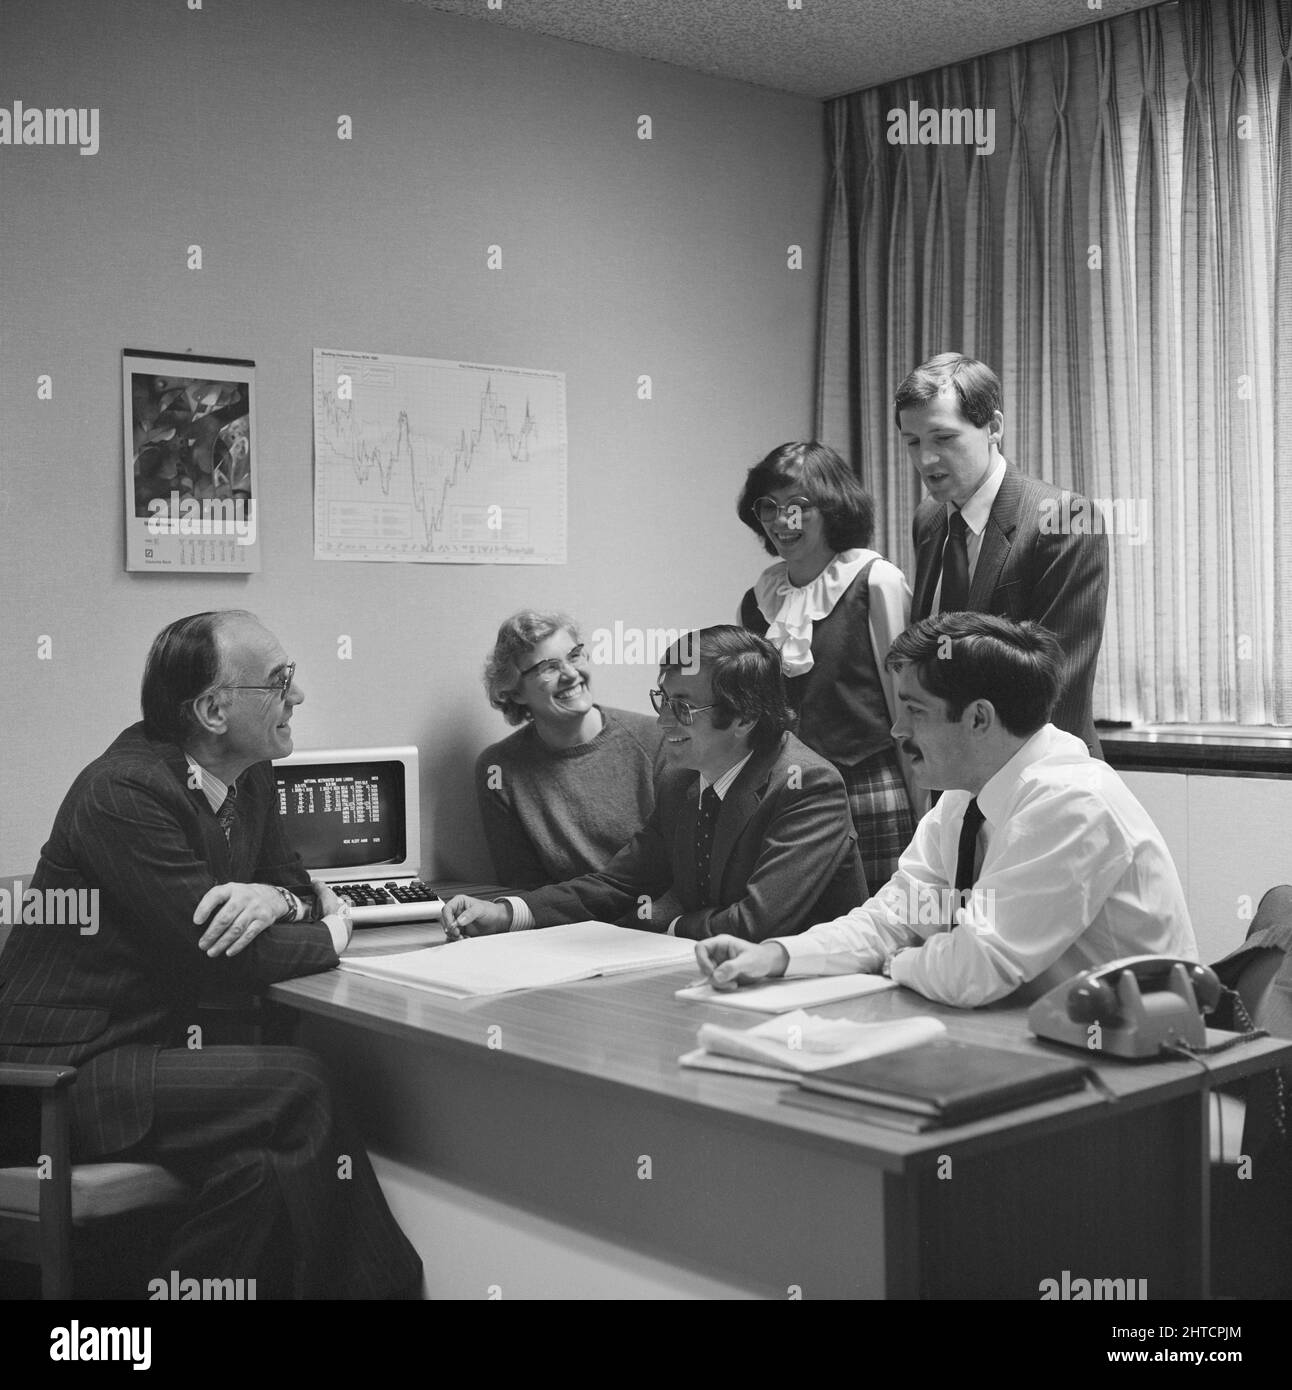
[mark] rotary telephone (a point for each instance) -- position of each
(1139, 1005)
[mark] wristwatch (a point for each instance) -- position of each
(291, 903)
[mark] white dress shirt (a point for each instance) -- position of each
(976, 512)
(213, 789)
(1074, 874)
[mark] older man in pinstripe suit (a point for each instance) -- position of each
(176, 827)
(990, 539)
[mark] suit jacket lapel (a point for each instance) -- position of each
(928, 565)
(217, 848)
(997, 538)
(738, 806)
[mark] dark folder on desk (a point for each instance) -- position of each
(948, 1082)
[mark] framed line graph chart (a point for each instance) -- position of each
(434, 461)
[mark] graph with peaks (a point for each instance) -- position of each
(429, 460)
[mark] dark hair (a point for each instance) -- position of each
(977, 386)
(744, 673)
(518, 636)
(183, 662)
(961, 657)
(846, 510)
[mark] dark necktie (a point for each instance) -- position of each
(228, 810)
(969, 828)
(955, 566)
(706, 820)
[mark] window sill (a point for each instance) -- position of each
(1241, 750)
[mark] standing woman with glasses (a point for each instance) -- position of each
(573, 785)
(832, 607)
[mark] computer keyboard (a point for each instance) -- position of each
(376, 904)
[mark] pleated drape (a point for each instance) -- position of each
(1020, 372)
(837, 398)
(935, 318)
(902, 329)
(1123, 259)
(1243, 615)
(1281, 640)
(1153, 677)
(980, 326)
(1114, 379)
(1062, 442)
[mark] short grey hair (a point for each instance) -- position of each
(518, 636)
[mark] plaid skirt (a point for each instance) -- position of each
(881, 811)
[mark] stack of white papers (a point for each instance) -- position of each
(784, 1047)
(525, 960)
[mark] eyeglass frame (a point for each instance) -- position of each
(282, 686)
(804, 504)
(660, 698)
(553, 664)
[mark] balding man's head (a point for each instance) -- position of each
(187, 659)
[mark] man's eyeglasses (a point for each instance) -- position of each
(679, 709)
(280, 686)
(552, 667)
(767, 510)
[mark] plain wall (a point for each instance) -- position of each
(620, 257)
(1229, 839)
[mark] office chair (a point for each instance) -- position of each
(39, 1214)
(1252, 1216)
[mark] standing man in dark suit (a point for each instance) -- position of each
(751, 829)
(990, 539)
(173, 832)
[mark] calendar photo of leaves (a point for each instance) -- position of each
(192, 436)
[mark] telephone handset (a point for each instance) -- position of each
(1129, 1008)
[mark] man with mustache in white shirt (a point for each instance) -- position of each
(1037, 862)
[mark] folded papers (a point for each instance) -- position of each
(794, 1043)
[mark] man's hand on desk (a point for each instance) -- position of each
(728, 962)
(465, 916)
(238, 913)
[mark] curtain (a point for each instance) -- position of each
(1123, 258)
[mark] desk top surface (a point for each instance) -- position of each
(629, 1030)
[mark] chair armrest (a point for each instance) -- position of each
(38, 1076)
(51, 1081)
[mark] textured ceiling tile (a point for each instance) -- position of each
(824, 48)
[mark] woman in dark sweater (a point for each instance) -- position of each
(832, 606)
(576, 780)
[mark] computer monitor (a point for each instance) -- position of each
(352, 813)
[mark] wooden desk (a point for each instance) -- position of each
(567, 1105)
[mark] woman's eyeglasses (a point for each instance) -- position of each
(768, 511)
(552, 667)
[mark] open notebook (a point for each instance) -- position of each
(526, 959)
